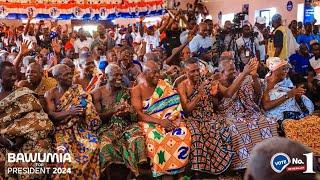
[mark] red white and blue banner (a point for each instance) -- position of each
(93, 9)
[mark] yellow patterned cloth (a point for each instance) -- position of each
(306, 131)
(21, 115)
(77, 136)
(45, 85)
(168, 151)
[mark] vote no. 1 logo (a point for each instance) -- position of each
(280, 161)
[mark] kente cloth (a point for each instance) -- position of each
(211, 149)
(21, 115)
(77, 136)
(122, 140)
(306, 131)
(248, 126)
(168, 151)
(45, 85)
(93, 83)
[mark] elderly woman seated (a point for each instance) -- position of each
(288, 104)
(281, 99)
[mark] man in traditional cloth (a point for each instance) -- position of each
(210, 135)
(161, 118)
(75, 118)
(87, 78)
(122, 141)
(69, 63)
(248, 126)
(24, 127)
(37, 82)
(129, 68)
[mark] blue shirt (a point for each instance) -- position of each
(300, 63)
(317, 37)
(306, 39)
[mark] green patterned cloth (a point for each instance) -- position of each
(122, 141)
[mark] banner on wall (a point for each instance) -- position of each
(308, 12)
(245, 8)
(289, 6)
(86, 11)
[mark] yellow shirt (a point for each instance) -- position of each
(272, 49)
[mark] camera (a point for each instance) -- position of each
(254, 34)
(237, 22)
(239, 17)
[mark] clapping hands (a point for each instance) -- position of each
(255, 63)
(122, 109)
(252, 67)
(77, 111)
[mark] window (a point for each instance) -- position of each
(317, 14)
(300, 12)
(267, 13)
(227, 17)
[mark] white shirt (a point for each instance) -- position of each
(136, 37)
(78, 45)
(152, 41)
(29, 38)
(199, 43)
(315, 64)
(262, 47)
(120, 37)
(184, 36)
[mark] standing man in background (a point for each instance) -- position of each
(278, 43)
(258, 28)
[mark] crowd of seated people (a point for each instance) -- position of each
(159, 100)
